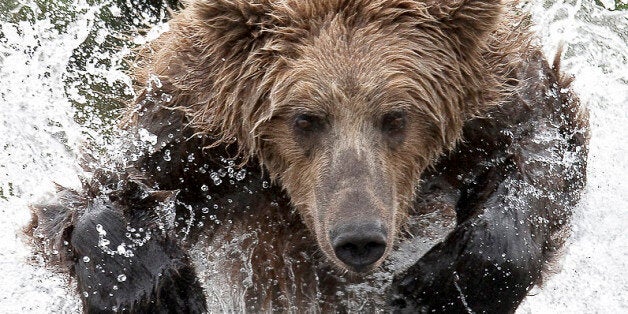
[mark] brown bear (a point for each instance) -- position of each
(307, 134)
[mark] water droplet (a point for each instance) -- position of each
(114, 287)
(240, 175)
(121, 249)
(154, 81)
(86, 259)
(101, 230)
(167, 155)
(85, 294)
(121, 278)
(204, 188)
(205, 210)
(166, 97)
(265, 184)
(216, 178)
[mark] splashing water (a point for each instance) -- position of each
(63, 78)
(592, 274)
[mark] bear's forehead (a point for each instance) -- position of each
(345, 78)
(352, 64)
(342, 59)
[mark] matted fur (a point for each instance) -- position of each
(227, 59)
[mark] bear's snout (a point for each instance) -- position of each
(359, 245)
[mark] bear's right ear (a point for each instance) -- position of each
(467, 21)
(239, 19)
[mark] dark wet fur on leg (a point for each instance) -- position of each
(154, 276)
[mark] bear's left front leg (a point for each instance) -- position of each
(486, 265)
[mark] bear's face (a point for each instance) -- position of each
(344, 102)
(349, 138)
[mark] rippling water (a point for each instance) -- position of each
(62, 78)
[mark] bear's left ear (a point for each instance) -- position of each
(468, 21)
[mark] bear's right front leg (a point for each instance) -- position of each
(131, 269)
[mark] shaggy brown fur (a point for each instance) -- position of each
(359, 113)
(240, 69)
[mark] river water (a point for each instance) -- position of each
(62, 77)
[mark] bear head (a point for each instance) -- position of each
(343, 102)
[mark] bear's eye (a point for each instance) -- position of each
(394, 122)
(307, 123)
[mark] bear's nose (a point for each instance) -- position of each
(359, 245)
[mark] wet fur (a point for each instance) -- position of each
(511, 127)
